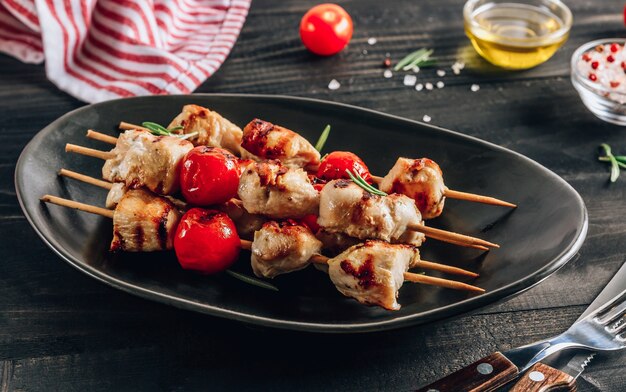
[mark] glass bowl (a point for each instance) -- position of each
(517, 35)
(606, 103)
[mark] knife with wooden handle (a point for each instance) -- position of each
(543, 378)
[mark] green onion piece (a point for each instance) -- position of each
(357, 179)
(251, 280)
(614, 163)
(408, 58)
(322, 140)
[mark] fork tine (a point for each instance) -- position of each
(613, 311)
(618, 327)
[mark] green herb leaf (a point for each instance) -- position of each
(614, 163)
(357, 179)
(251, 280)
(607, 159)
(322, 140)
(420, 58)
(408, 58)
(160, 130)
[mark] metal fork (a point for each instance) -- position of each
(602, 330)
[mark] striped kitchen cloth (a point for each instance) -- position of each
(98, 50)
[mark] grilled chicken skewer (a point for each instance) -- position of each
(271, 184)
(286, 239)
(127, 241)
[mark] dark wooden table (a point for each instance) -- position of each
(61, 330)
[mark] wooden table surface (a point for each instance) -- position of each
(61, 330)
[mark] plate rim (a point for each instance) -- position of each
(453, 310)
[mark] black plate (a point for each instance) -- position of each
(536, 239)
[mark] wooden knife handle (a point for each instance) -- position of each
(542, 378)
(486, 374)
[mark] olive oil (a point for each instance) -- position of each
(515, 36)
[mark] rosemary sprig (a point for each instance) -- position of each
(420, 58)
(609, 157)
(322, 140)
(160, 130)
(251, 280)
(357, 179)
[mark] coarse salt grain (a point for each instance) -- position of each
(415, 69)
(387, 74)
(419, 87)
(440, 84)
(426, 118)
(364, 51)
(334, 85)
(475, 87)
(372, 41)
(441, 73)
(429, 86)
(410, 80)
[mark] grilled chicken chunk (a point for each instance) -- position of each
(115, 194)
(143, 159)
(271, 189)
(347, 208)
(245, 222)
(335, 243)
(419, 179)
(144, 222)
(269, 141)
(280, 248)
(213, 129)
(373, 272)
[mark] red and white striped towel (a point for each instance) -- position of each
(98, 50)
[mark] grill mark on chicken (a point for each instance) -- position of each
(365, 272)
(140, 236)
(255, 139)
(161, 223)
(342, 183)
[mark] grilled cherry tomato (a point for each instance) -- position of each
(209, 175)
(326, 29)
(335, 164)
(206, 241)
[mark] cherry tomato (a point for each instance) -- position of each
(209, 175)
(206, 241)
(310, 221)
(335, 164)
(326, 29)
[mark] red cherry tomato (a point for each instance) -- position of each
(335, 164)
(209, 176)
(310, 221)
(326, 29)
(206, 241)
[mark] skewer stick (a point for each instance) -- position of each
(465, 196)
(89, 151)
(78, 206)
(101, 137)
(87, 179)
(409, 276)
(128, 126)
(444, 235)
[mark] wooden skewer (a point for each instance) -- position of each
(128, 126)
(410, 276)
(89, 151)
(86, 179)
(465, 196)
(248, 245)
(101, 137)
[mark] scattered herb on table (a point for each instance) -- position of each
(419, 58)
(616, 161)
(322, 140)
(160, 130)
(357, 179)
(251, 280)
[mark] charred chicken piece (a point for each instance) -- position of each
(143, 159)
(282, 247)
(245, 222)
(347, 208)
(419, 179)
(276, 191)
(373, 272)
(213, 129)
(269, 141)
(144, 222)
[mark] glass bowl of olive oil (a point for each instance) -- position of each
(517, 35)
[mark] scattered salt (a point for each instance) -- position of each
(457, 67)
(440, 84)
(426, 118)
(415, 69)
(429, 86)
(419, 87)
(364, 51)
(410, 80)
(441, 73)
(334, 85)
(387, 74)
(456, 71)
(372, 41)
(475, 87)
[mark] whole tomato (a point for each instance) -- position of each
(326, 29)
(206, 241)
(209, 175)
(335, 164)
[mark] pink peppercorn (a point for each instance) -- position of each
(614, 48)
(593, 77)
(610, 58)
(586, 57)
(594, 65)
(614, 84)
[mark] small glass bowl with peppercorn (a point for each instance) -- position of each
(599, 75)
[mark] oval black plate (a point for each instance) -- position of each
(536, 239)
